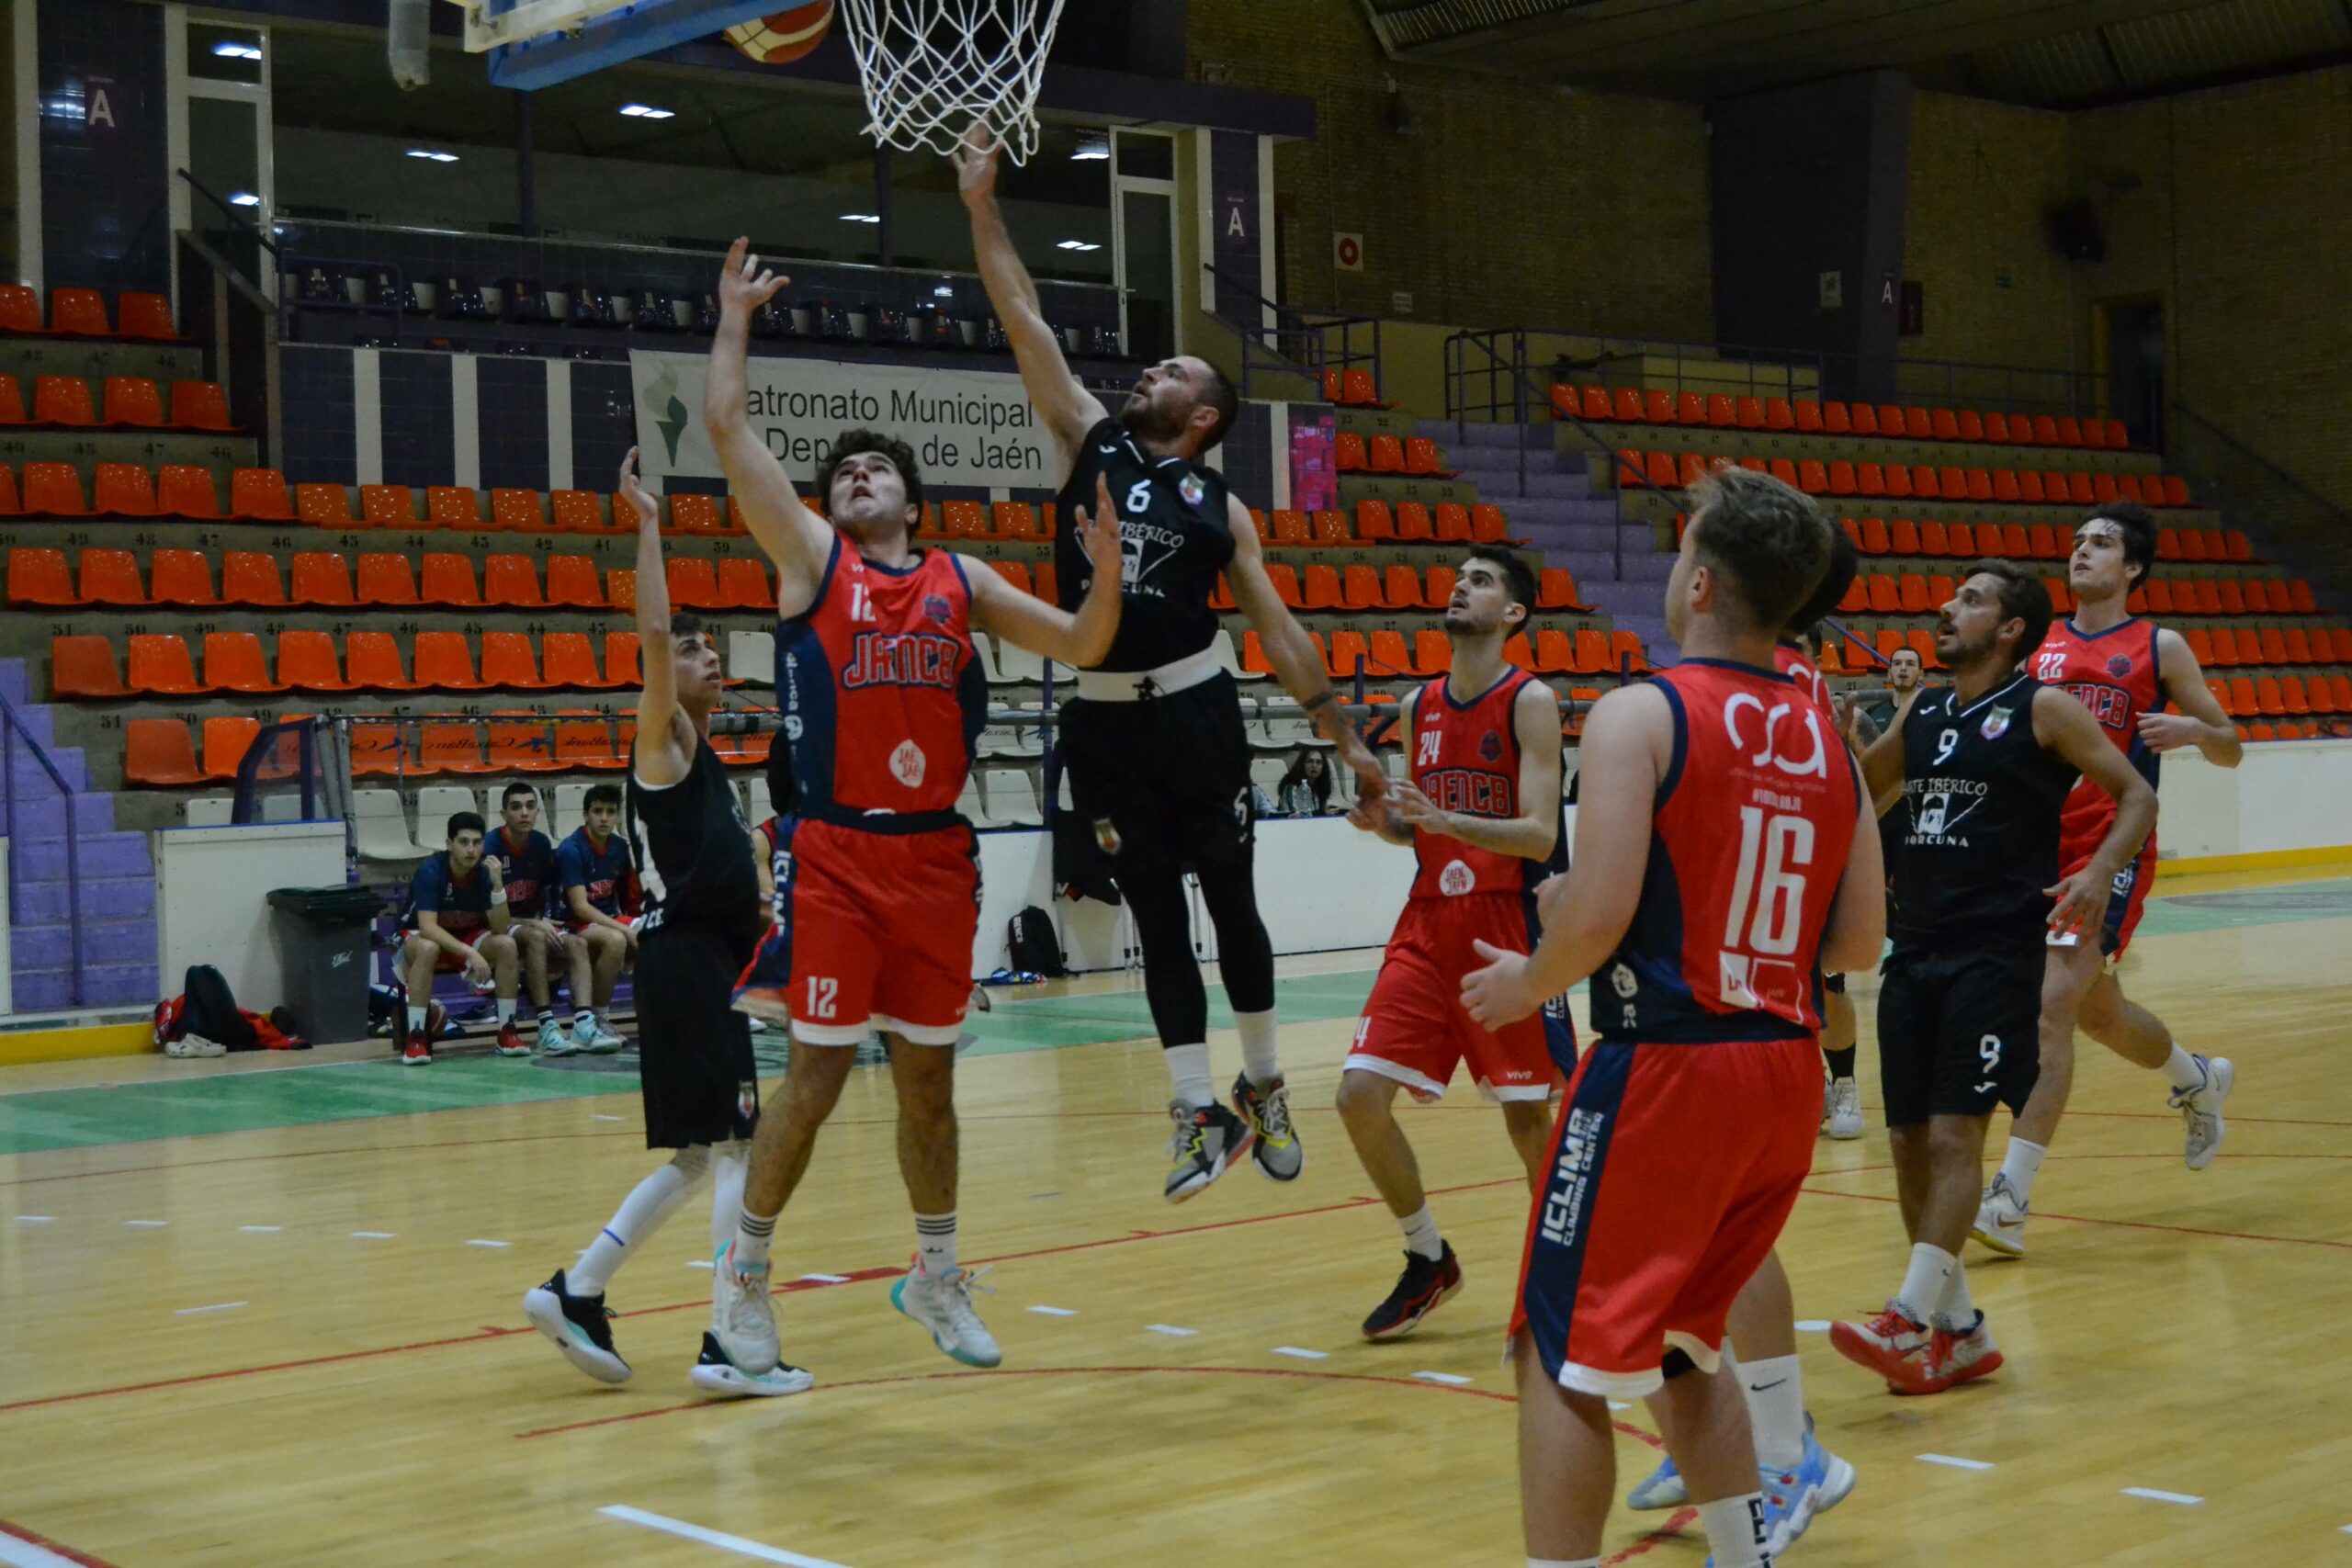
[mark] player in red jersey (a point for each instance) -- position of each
(882, 698)
(2124, 670)
(1482, 815)
(1723, 855)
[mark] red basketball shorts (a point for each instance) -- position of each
(1673, 1170)
(1413, 1028)
(2078, 840)
(448, 962)
(875, 935)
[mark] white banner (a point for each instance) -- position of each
(967, 427)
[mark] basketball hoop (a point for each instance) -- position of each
(932, 67)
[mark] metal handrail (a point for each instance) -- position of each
(254, 231)
(12, 724)
(1307, 326)
(2273, 470)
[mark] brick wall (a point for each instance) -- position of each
(1516, 205)
(1981, 176)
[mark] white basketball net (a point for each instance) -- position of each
(932, 67)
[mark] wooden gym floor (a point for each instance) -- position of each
(267, 1312)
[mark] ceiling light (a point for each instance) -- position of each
(861, 218)
(1076, 245)
(243, 198)
(236, 51)
(943, 291)
(431, 156)
(647, 111)
(1092, 147)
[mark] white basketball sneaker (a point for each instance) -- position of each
(2000, 1219)
(714, 1374)
(743, 1315)
(1845, 1110)
(942, 1303)
(2200, 1108)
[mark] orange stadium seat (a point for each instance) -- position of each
(1373, 522)
(574, 580)
(509, 664)
(1321, 588)
(1432, 652)
(325, 506)
(181, 576)
(182, 490)
(19, 309)
(519, 511)
(385, 579)
(161, 665)
(234, 661)
(132, 400)
(388, 506)
(621, 658)
(38, 575)
(1285, 580)
(1690, 408)
(321, 578)
(452, 506)
(743, 583)
(80, 312)
(1556, 589)
(83, 667)
(511, 580)
(259, 495)
(693, 582)
(307, 662)
(571, 660)
(1414, 525)
(111, 576)
(157, 753)
(53, 490)
(146, 316)
(122, 490)
(200, 405)
(445, 662)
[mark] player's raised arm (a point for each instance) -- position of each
(795, 540)
(1062, 401)
(2066, 727)
(1534, 832)
(658, 758)
(2200, 721)
(1883, 761)
(1297, 663)
(1081, 636)
(1620, 764)
(1372, 812)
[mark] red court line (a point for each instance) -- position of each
(480, 1337)
(1683, 1519)
(2118, 1224)
(60, 1547)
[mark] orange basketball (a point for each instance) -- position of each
(784, 37)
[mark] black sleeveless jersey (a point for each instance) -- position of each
(1977, 825)
(694, 848)
(1173, 541)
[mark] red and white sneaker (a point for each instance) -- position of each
(417, 1052)
(1954, 1357)
(1894, 1345)
(510, 1041)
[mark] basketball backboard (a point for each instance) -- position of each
(538, 43)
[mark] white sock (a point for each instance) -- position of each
(1776, 1409)
(1421, 1234)
(416, 1021)
(583, 1021)
(504, 1007)
(1956, 1309)
(1187, 1074)
(1923, 1282)
(731, 1164)
(2185, 1070)
(2022, 1164)
(641, 1214)
(753, 1235)
(935, 1243)
(1261, 1051)
(1735, 1528)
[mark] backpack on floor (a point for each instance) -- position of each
(1033, 945)
(207, 1010)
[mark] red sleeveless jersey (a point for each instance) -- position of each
(2113, 674)
(1749, 837)
(882, 693)
(1805, 675)
(1465, 759)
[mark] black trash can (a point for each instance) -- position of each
(323, 938)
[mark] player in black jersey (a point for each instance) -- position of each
(700, 928)
(1984, 765)
(1158, 758)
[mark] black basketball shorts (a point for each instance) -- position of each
(1163, 781)
(695, 1049)
(1958, 1033)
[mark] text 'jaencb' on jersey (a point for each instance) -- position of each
(1465, 759)
(1173, 540)
(2114, 674)
(881, 692)
(1748, 842)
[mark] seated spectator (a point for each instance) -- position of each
(598, 876)
(526, 857)
(1305, 789)
(457, 920)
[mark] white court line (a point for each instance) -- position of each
(1171, 1328)
(371, 1235)
(1956, 1462)
(490, 1244)
(35, 1219)
(1452, 1379)
(1302, 1354)
(1054, 1311)
(828, 1278)
(260, 1230)
(18, 1552)
(2153, 1496)
(1813, 1325)
(602, 1117)
(1619, 1404)
(145, 1225)
(734, 1543)
(223, 1306)
(697, 1263)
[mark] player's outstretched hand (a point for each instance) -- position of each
(1098, 531)
(1371, 815)
(1500, 993)
(975, 159)
(2081, 900)
(2169, 731)
(633, 491)
(1413, 808)
(742, 286)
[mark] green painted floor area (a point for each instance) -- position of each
(76, 1118)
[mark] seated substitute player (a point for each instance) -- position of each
(1712, 884)
(1482, 815)
(455, 918)
(594, 869)
(701, 924)
(883, 698)
(527, 858)
(2124, 670)
(1985, 766)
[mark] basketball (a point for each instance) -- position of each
(782, 37)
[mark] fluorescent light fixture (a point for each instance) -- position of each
(431, 156)
(232, 51)
(243, 198)
(647, 111)
(1092, 147)
(1076, 245)
(943, 291)
(861, 218)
